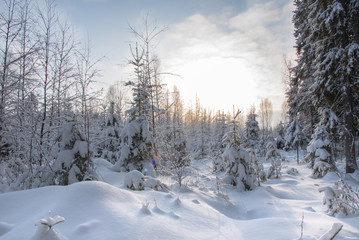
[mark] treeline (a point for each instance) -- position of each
(45, 80)
(53, 126)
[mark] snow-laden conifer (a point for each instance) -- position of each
(237, 162)
(73, 163)
(320, 152)
(274, 156)
(109, 146)
(252, 131)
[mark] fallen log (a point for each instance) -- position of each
(330, 235)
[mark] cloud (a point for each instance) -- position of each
(237, 56)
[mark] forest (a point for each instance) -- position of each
(56, 126)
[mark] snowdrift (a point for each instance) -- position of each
(101, 211)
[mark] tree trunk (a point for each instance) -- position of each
(349, 134)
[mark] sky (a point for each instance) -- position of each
(224, 52)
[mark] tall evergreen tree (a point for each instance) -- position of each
(327, 68)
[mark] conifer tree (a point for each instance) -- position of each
(252, 131)
(136, 151)
(73, 163)
(327, 35)
(237, 162)
(109, 146)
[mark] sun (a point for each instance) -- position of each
(218, 82)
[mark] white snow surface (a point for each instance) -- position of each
(107, 210)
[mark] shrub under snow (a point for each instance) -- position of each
(45, 230)
(341, 198)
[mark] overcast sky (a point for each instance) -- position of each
(227, 52)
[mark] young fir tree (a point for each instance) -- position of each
(256, 167)
(274, 156)
(294, 137)
(320, 151)
(237, 162)
(252, 131)
(280, 136)
(73, 162)
(136, 150)
(109, 146)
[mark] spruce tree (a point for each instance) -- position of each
(109, 146)
(252, 131)
(73, 162)
(327, 68)
(237, 162)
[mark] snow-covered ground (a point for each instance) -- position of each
(105, 209)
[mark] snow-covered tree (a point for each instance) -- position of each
(319, 150)
(320, 147)
(110, 142)
(136, 150)
(280, 135)
(73, 164)
(256, 167)
(237, 163)
(220, 129)
(274, 156)
(175, 154)
(327, 35)
(252, 131)
(294, 137)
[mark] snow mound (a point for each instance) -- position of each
(4, 228)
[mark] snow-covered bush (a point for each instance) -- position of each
(274, 156)
(237, 162)
(73, 162)
(341, 198)
(154, 183)
(292, 171)
(135, 180)
(45, 230)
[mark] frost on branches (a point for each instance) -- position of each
(73, 162)
(237, 163)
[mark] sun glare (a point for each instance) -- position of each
(218, 82)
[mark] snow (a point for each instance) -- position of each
(108, 210)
